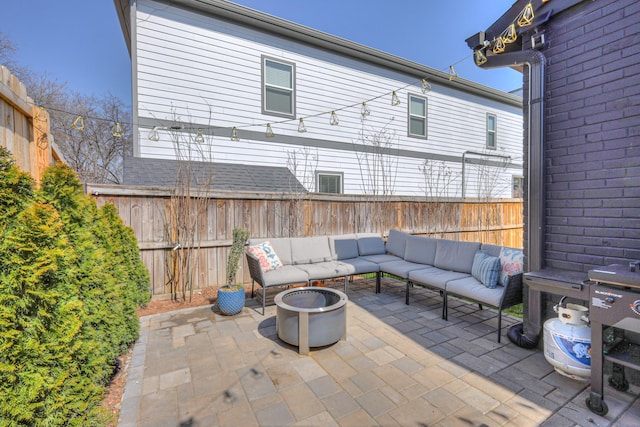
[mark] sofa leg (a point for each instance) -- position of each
(253, 283)
(445, 309)
(346, 281)
(480, 306)
(378, 277)
(406, 297)
(499, 324)
(264, 300)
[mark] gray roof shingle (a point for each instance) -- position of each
(223, 176)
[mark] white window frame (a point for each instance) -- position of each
(410, 116)
(291, 89)
(492, 132)
(320, 174)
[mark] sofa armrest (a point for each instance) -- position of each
(513, 291)
(254, 268)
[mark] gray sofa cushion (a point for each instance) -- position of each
(281, 246)
(397, 243)
(421, 250)
(435, 277)
(455, 256)
(493, 250)
(324, 270)
(308, 250)
(470, 288)
(360, 266)
(285, 276)
(381, 258)
(401, 268)
(343, 247)
(370, 246)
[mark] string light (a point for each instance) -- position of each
(334, 120)
(117, 131)
(510, 34)
(269, 132)
(154, 135)
(452, 73)
(78, 123)
(37, 116)
(365, 110)
(498, 46)
(301, 126)
(199, 136)
(479, 57)
(395, 100)
(426, 87)
(234, 134)
(526, 16)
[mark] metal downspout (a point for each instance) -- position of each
(528, 334)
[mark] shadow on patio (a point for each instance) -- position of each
(400, 366)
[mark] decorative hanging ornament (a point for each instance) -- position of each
(498, 46)
(154, 135)
(334, 120)
(117, 130)
(78, 123)
(426, 87)
(452, 73)
(234, 134)
(269, 132)
(365, 110)
(510, 34)
(301, 126)
(479, 57)
(395, 100)
(199, 136)
(526, 16)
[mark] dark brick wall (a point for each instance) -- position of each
(592, 135)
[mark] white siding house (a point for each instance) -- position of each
(202, 68)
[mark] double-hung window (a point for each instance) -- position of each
(417, 116)
(492, 131)
(329, 182)
(278, 88)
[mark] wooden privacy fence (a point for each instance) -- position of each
(270, 215)
(24, 128)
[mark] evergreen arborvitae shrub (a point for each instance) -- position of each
(16, 189)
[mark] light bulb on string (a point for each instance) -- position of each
(334, 120)
(498, 46)
(234, 134)
(395, 100)
(526, 16)
(510, 34)
(479, 57)
(117, 130)
(301, 127)
(452, 73)
(78, 123)
(365, 110)
(154, 135)
(37, 116)
(269, 132)
(426, 87)
(199, 136)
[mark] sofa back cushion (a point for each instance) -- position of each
(370, 244)
(308, 250)
(397, 243)
(421, 250)
(281, 246)
(455, 256)
(493, 250)
(343, 246)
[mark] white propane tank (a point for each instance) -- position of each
(567, 341)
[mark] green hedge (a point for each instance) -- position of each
(70, 281)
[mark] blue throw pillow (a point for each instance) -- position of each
(486, 269)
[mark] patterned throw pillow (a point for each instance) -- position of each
(512, 261)
(486, 269)
(268, 258)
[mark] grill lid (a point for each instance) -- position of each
(617, 274)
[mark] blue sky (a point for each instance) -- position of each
(80, 41)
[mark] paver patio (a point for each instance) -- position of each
(400, 366)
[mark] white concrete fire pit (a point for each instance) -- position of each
(311, 317)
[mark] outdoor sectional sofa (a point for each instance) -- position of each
(452, 268)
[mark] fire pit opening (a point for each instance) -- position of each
(311, 317)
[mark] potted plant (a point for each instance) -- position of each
(231, 295)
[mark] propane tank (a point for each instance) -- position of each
(567, 341)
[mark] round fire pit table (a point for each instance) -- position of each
(311, 317)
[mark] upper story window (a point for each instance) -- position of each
(278, 88)
(492, 131)
(329, 182)
(417, 116)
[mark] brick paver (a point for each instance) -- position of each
(400, 365)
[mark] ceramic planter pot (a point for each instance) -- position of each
(230, 301)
